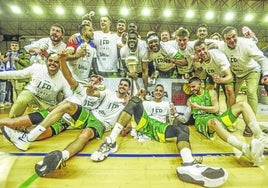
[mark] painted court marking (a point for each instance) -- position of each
(31, 179)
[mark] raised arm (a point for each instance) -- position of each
(66, 71)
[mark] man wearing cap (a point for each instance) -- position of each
(46, 84)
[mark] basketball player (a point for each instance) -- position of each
(151, 119)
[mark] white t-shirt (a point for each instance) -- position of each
(43, 85)
(217, 64)
(157, 110)
(109, 109)
(82, 66)
(45, 43)
(140, 54)
(188, 54)
(80, 97)
(245, 58)
(160, 56)
(106, 46)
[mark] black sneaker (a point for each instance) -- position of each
(50, 163)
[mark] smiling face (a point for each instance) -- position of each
(230, 39)
(53, 64)
(123, 87)
(56, 34)
(202, 33)
(121, 27)
(158, 93)
(202, 52)
(105, 24)
(165, 36)
(132, 41)
(195, 87)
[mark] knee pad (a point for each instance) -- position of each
(37, 117)
(183, 133)
(132, 104)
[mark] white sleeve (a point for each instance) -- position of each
(186, 115)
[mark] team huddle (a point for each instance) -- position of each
(65, 82)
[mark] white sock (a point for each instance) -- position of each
(115, 132)
(65, 155)
(186, 155)
(37, 131)
(235, 142)
(255, 128)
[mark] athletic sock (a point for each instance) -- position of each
(186, 155)
(115, 132)
(235, 142)
(37, 131)
(65, 155)
(255, 128)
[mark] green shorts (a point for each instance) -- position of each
(152, 128)
(56, 127)
(87, 120)
(227, 119)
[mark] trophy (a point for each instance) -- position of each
(132, 64)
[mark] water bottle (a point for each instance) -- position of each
(248, 33)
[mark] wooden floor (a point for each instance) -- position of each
(137, 164)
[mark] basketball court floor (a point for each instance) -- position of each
(137, 164)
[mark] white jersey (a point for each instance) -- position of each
(140, 54)
(41, 84)
(106, 46)
(217, 64)
(245, 58)
(80, 97)
(82, 66)
(188, 54)
(160, 56)
(45, 43)
(157, 110)
(109, 109)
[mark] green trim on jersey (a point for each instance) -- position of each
(227, 119)
(152, 127)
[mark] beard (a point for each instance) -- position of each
(55, 38)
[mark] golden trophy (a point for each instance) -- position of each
(132, 64)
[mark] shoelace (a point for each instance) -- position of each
(22, 129)
(105, 147)
(199, 160)
(62, 164)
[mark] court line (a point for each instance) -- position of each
(136, 155)
(29, 181)
(127, 155)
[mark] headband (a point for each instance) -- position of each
(152, 37)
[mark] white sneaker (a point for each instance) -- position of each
(19, 139)
(254, 152)
(202, 175)
(105, 149)
(264, 139)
